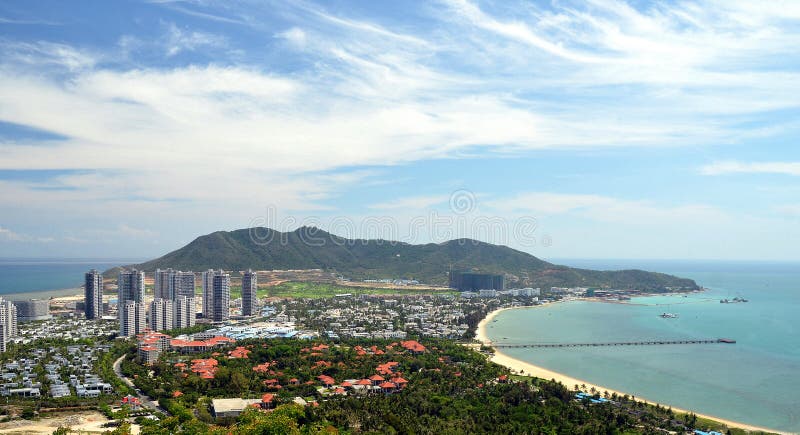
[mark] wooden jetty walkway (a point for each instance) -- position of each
(616, 343)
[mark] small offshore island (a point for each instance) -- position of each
(312, 350)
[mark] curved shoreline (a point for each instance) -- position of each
(540, 372)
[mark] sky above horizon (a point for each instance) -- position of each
(567, 129)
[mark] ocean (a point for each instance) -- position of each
(25, 278)
(755, 381)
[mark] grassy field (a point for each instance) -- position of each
(326, 290)
(296, 289)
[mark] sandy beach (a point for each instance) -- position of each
(44, 294)
(525, 368)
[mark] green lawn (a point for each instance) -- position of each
(326, 290)
(322, 290)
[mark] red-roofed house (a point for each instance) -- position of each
(388, 387)
(262, 368)
(400, 382)
(239, 352)
(268, 401)
(413, 346)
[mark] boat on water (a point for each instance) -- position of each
(735, 300)
(668, 315)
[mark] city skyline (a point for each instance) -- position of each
(625, 129)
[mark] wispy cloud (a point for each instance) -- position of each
(295, 36)
(12, 236)
(415, 203)
(40, 54)
(179, 40)
(6, 20)
(605, 208)
(322, 92)
(7, 234)
(736, 167)
(792, 210)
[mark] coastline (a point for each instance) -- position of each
(529, 369)
(44, 294)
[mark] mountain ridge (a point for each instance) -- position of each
(263, 248)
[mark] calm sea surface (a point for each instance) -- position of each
(756, 380)
(39, 277)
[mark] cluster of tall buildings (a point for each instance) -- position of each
(171, 284)
(166, 314)
(173, 305)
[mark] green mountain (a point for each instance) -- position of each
(313, 248)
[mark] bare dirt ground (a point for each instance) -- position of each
(79, 422)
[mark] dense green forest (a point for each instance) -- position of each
(312, 248)
(451, 389)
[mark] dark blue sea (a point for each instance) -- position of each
(38, 277)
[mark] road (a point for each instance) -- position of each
(146, 400)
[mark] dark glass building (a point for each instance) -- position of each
(468, 281)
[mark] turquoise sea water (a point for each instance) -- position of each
(756, 380)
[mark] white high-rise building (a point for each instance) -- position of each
(8, 322)
(163, 287)
(93, 295)
(208, 293)
(249, 288)
(183, 284)
(130, 286)
(132, 318)
(161, 315)
(184, 312)
(221, 296)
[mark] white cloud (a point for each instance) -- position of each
(178, 40)
(604, 208)
(792, 210)
(415, 203)
(5, 20)
(7, 234)
(295, 36)
(129, 231)
(504, 78)
(12, 236)
(736, 167)
(42, 54)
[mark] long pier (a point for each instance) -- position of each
(617, 343)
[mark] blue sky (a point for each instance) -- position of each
(585, 129)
